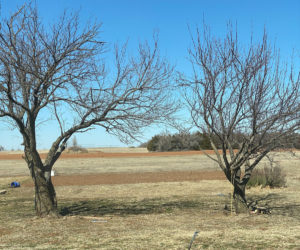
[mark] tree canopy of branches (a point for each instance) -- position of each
(243, 91)
(58, 71)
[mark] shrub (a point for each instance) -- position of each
(77, 149)
(152, 145)
(268, 176)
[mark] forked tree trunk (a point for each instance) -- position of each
(45, 196)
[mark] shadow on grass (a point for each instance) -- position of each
(263, 199)
(146, 206)
(278, 204)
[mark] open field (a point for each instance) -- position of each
(146, 202)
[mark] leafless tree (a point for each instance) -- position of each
(58, 72)
(241, 96)
(74, 142)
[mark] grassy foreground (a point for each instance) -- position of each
(161, 215)
(149, 216)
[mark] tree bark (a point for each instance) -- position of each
(240, 202)
(239, 194)
(45, 195)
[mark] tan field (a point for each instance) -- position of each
(146, 201)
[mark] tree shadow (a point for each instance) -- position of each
(263, 200)
(116, 207)
(277, 203)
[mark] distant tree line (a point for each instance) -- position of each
(198, 141)
(178, 142)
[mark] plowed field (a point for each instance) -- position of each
(99, 154)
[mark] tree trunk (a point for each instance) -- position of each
(239, 195)
(45, 196)
(240, 202)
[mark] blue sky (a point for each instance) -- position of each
(135, 20)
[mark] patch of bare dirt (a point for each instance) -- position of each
(131, 178)
(97, 154)
(4, 231)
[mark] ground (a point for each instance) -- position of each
(131, 199)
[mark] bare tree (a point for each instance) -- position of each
(243, 98)
(74, 142)
(58, 72)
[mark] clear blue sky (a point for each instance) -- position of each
(137, 19)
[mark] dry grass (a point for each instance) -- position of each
(119, 150)
(113, 165)
(150, 215)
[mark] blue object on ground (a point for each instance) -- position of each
(15, 184)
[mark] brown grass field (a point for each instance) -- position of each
(131, 199)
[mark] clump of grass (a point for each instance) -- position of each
(272, 177)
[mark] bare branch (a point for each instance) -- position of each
(62, 66)
(244, 98)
